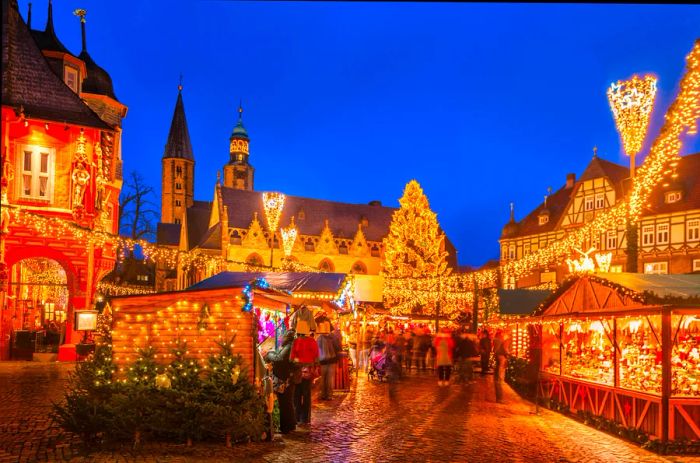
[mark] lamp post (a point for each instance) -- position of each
(631, 102)
(273, 203)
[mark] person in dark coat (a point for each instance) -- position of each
(283, 368)
(485, 348)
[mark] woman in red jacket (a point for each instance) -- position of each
(443, 356)
(305, 354)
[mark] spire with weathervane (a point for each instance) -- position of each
(178, 167)
(238, 173)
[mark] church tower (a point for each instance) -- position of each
(178, 168)
(238, 173)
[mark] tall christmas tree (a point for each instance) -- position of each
(414, 255)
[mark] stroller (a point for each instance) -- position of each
(382, 363)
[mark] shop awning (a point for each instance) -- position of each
(660, 285)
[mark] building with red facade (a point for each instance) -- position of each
(61, 179)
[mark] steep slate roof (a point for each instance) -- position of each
(98, 80)
(179, 145)
(689, 179)
(28, 81)
(343, 218)
(556, 203)
(198, 222)
(168, 234)
(47, 39)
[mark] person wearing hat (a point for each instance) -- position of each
(328, 348)
(283, 368)
(302, 319)
(305, 355)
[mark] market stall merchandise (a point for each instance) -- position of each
(625, 347)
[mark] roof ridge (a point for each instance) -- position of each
(312, 199)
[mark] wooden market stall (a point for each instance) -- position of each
(625, 347)
(199, 317)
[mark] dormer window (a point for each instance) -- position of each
(301, 215)
(70, 77)
(364, 221)
(544, 218)
(672, 197)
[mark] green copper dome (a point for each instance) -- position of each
(239, 131)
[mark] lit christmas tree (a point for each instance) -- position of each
(414, 255)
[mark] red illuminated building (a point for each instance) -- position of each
(61, 168)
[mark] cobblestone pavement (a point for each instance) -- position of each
(422, 423)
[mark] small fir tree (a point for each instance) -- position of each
(414, 255)
(145, 369)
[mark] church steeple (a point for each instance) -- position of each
(179, 145)
(178, 167)
(238, 173)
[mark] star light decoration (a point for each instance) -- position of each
(632, 102)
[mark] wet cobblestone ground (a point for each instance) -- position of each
(422, 423)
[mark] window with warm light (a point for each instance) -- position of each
(543, 219)
(696, 265)
(673, 197)
(611, 240)
(588, 203)
(647, 235)
(657, 268)
(70, 77)
(693, 230)
(511, 252)
(662, 233)
(600, 201)
(37, 172)
(616, 269)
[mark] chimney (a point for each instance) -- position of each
(375, 203)
(570, 180)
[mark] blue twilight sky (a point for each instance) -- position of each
(483, 104)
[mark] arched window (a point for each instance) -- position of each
(326, 266)
(309, 245)
(359, 268)
(343, 248)
(235, 237)
(254, 259)
(374, 252)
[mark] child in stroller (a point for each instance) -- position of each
(382, 362)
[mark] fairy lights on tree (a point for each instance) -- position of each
(413, 249)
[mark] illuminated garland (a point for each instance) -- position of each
(248, 289)
(110, 289)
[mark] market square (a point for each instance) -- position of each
(388, 263)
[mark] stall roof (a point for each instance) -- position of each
(687, 285)
(309, 282)
(521, 301)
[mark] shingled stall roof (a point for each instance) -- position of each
(27, 79)
(302, 282)
(343, 218)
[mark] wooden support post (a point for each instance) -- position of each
(667, 345)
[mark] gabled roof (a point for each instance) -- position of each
(599, 167)
(28, 81)
(168, 234)
(343, 218)
(178, 144)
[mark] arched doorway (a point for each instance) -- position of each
(38, 301)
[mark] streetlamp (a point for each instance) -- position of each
(273, 203)
(631, 102)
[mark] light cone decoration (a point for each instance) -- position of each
(631, 102)
(289, 236)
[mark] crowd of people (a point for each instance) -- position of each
(385, 353)
(310, 350)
